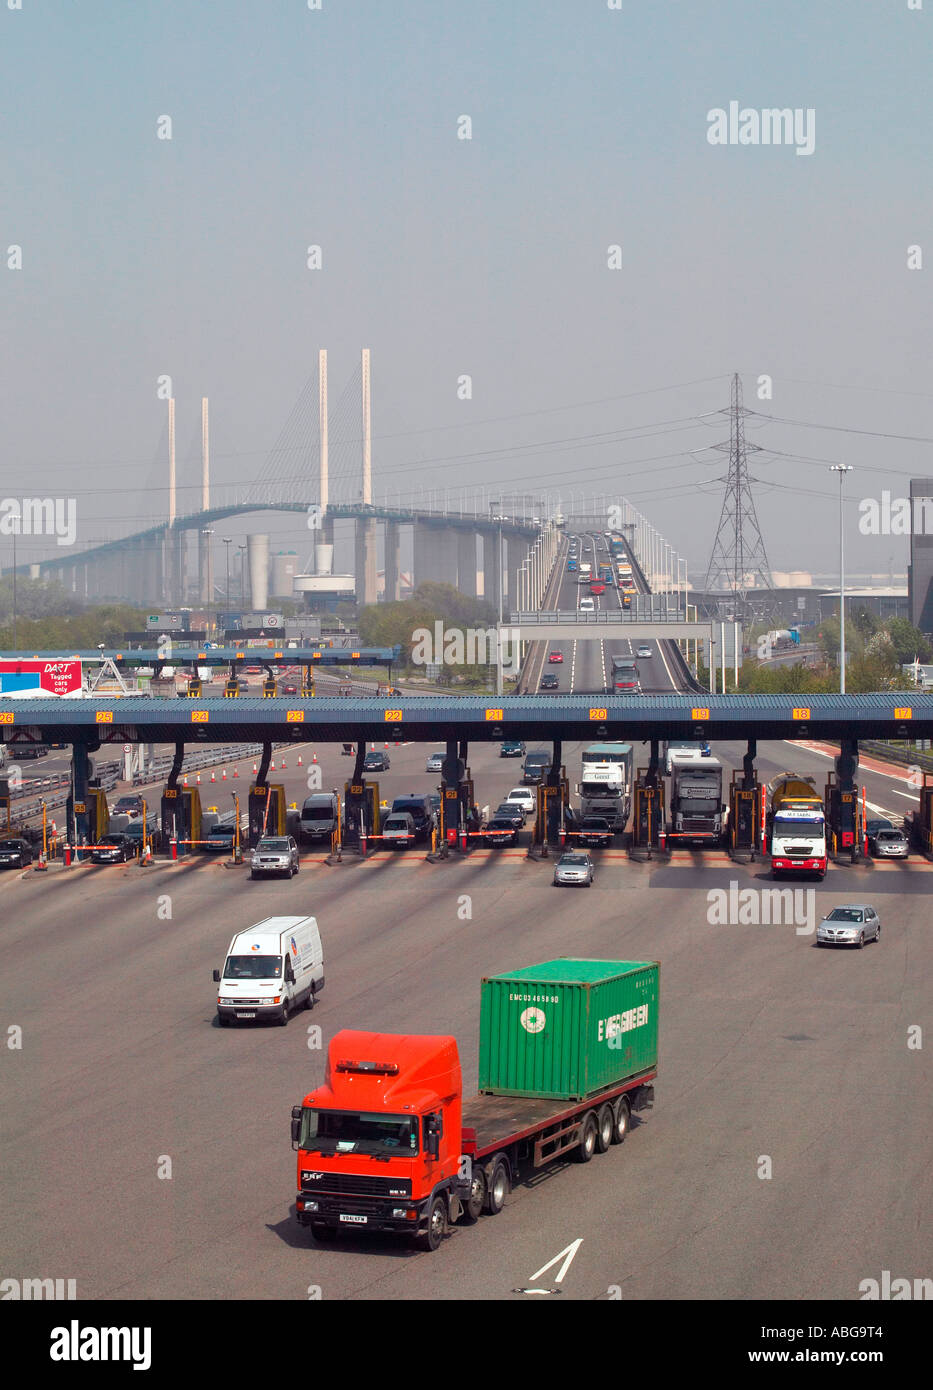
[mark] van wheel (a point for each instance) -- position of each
(605, 1125)
(497, 1187)
(282, 1019)
(589, 1134)
(622, 1117)
(223, 1020)
(437, 1226)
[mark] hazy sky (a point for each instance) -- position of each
(485, 257)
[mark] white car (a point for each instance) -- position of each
(645, 651)
(525, 798)
(587, 605)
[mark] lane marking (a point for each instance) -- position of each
(566, 1255)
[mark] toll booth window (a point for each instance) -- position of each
(346, 1131)
(253, 968)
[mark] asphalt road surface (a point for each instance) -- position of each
(145, 1152)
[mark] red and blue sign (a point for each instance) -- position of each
(55, 677)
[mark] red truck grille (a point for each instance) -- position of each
(354, 1184)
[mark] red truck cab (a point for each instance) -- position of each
(379, 1143)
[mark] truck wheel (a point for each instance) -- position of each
(437, 1226)
(605, 1124)
(477, 1199)
(323, 1233)
(623, 1114)
(589, 1134)
(497, 1187)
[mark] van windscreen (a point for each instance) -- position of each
(253, 968)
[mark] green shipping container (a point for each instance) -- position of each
(568, 1028)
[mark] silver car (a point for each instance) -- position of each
(851, 924)
(435, 763)
(274, 855)
(888, 844)
(573, 868)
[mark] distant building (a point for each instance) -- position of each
(920, 573)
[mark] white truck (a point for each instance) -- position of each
(697, 810)
(606, 783)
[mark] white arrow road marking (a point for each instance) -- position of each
(566, 1255)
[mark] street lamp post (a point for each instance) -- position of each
(842, 469)
(228, 541)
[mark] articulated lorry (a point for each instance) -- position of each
(606, 783)
(568, 1050)
(697, 810)
(796, 826)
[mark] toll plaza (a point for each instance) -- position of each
(91, 724)
(744, 798)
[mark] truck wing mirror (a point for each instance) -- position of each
(296, 1123)
(216, 977)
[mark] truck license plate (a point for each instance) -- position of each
(355, 1220)
(249, 1015)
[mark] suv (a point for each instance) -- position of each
(274, 854)
(537, 766)
(376, 761)
(319, 816)
(421, 812)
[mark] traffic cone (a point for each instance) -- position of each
(185, 783)
(300, 764)
(223, 775)
(40, 863)
(213, 778)
(314, 758)
(255, 768)
(235, 772)
(272, 766)
(199, 779)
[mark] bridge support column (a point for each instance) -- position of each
(491, 568)
(435, 556)
(466, 562)
(392, 587)
(365, 567)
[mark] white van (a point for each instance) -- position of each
(272, 969)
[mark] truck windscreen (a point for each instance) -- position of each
(347, 1131)
(798, 825)
(253, 968)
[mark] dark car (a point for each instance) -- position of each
(511, 811)
(512, 748)
(594, 830)
(376, 761)
(549, 681)
(115, 848)
(134, 832)
(537, 766)
(421, 812)
(500, 830)
(320, 816)
(15, 854)
(879, 823)
(220, 837)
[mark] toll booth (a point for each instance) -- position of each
(6, 818)
(268, 813)
(195, 688)
(269, 688)
(842, 808)
(361, 815)
(743, 817)
(94, 807)
(552, 801)
(232, 688)
(920, 825)
(649, 813)
(181, 819)
(307, 687)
